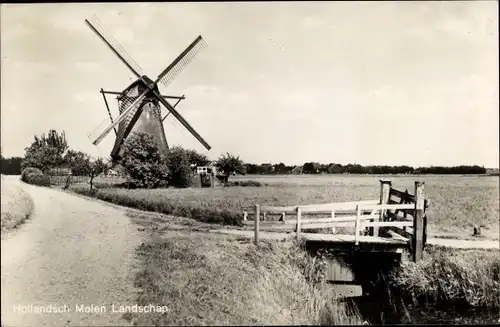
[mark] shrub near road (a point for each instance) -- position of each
(17, 205)
(35, 176)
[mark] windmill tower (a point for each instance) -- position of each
(139, 104)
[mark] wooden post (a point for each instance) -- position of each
(418, 222)
(333, 216)
(356, 226)
(256, 223)
(385, 189)
(264, 216)
(405, 214)
(245, 215)
(299, 214)
(283, 217)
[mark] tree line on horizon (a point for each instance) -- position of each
(52, 150)
(335, 168)
(12, 166)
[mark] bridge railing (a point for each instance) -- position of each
(385, 217)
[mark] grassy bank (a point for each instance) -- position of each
(17, 205)
(190, 203)
(465, 277)
(210, 279)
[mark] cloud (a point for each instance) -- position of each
(84, 96)
(199, 90)
(32, 68)
(262, 75)
(86, 66)
(298, 100)
(239, 98)
(309, 23)
(382, 92)
(21, 31)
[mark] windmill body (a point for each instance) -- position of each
(146, 118)
(139, 105)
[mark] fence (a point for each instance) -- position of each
(62, 177)
(386, 217)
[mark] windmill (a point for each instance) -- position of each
(139, 104)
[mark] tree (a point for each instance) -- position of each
(281, 168)
(95, 168)
(82, 164)
(196, 158)
(252, 169)
(46, 151)
(229, 164)
(180, 174)
(78, 161)
(144, 162)
(11, 166)
(310, 168)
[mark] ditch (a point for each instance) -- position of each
(379, 302)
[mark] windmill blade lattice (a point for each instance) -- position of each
(174, 69)
(131, 104)
(96, 22)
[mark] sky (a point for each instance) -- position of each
(382, 83)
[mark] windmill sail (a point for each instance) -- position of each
(98, 28)
(139, 104)
(174, 69)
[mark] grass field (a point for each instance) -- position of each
(17, 205)
(249, 285)
(458, 203)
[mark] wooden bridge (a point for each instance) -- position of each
(394, 223)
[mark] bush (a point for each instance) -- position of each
(180, 174)
(245, 183)
(143, 162)
(35, 176)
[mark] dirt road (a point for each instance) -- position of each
(71, 253)
(450, 243)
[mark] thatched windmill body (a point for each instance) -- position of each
(139, 104)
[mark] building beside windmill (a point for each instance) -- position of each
(206, 176)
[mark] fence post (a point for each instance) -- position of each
(418, 222)
(385, 189)
(264, 216)
(356, 226)
(299, 214)
(256, 223)
(333, 216)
